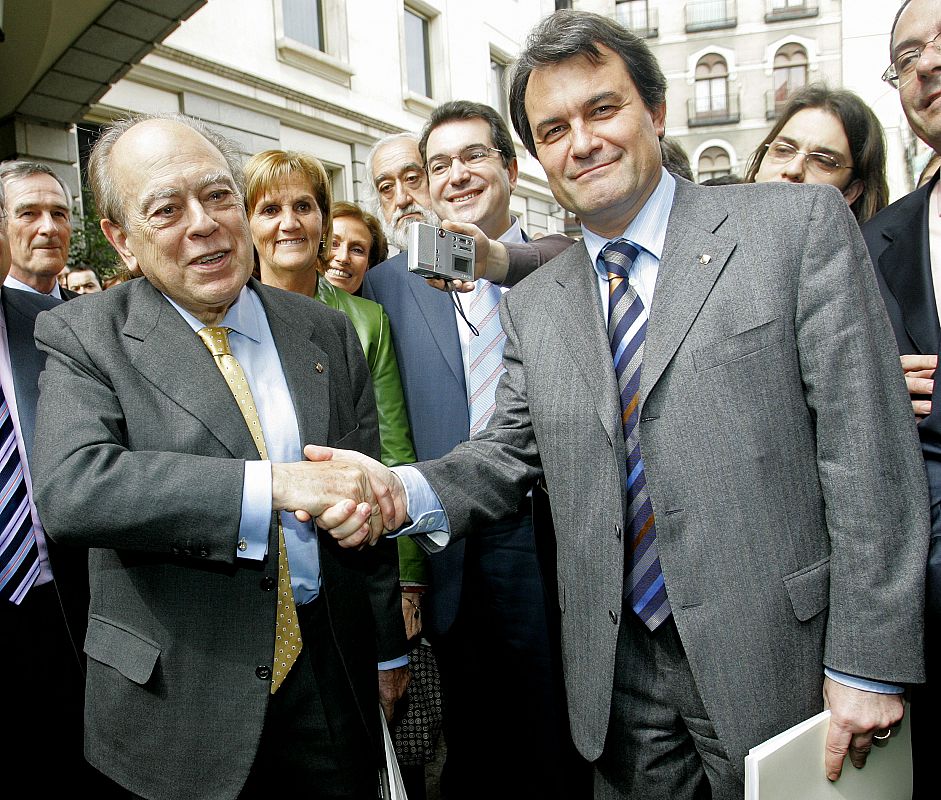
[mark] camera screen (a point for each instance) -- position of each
(462, 265)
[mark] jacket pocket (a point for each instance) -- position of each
(739, 345)
(117, 646)
(809, 589)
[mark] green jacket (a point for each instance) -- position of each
(372, 326)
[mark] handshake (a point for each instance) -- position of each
(351, 496)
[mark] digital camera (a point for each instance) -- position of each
(436, 253)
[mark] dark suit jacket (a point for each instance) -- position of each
(69, 565)
(147, 471)
(779, 450)
(898, 243)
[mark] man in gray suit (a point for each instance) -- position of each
(741, 523)
(190, 393)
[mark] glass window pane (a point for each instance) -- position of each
(416, 53)
(303, 22)
(498, 98)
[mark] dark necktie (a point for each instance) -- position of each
(19, 552)
(627, 329)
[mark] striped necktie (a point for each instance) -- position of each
(19, 551)
(627, 329)
(288, 641)
(486, 353)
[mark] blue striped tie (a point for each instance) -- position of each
(627, 328)
(19, 552)
(486, 353)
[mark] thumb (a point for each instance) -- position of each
(316, 452)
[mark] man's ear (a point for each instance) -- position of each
(513, 172)
(853, 191)
(118, 239)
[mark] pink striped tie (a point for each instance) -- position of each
(486, 353)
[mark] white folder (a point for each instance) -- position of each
(791, 765)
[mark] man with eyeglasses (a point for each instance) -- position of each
(486, 615)
(905, 244)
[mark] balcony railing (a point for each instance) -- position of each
(644, 21)
(721, 110)
(784, 10)
(710, 15)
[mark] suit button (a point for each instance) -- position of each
(187, 552)
(617, 532)
(267, 584)
(175, 550)
(263, 672)
(204, 553)
(613, 615)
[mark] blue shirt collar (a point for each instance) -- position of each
(647, 230)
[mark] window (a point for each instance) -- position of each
(417, 53)
(789, 74)
(311, 35)
(303, 22)
(709, 15)
(712, 86)
(779, 10)
(714, 162)
(498, 98)
(637, 16)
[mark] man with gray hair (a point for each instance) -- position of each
(231, 648)
(39, 226)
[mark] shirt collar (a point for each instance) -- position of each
(13, 283)
(242, 316)
(513, 234)
(647, 230)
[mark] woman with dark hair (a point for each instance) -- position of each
(826, 136)
(358, 245)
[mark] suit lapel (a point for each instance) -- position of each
(173, 359)
(300, 358)
(905, 264)
(438, 311)
(26, 361)
(582, 327)
(693, 258)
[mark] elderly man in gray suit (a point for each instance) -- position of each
(741, 523)
(231, 650)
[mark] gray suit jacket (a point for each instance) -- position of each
(779, 449)
(139, 454)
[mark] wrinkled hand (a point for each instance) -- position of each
(856, 716)
(919, 374)
(310, 489)
(392, 685)
(484, 250)
(411, 612)
(389, 512)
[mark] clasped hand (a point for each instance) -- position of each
(351, 496)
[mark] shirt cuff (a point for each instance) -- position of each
(401, 661)
(256, 511)
(864, 684)
(424, 508)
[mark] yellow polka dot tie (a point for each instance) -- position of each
(287, 645)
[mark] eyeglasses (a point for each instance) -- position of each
(472, 156)
(902, 70)
(784, 153)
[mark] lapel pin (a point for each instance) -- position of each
(705, 258)
(318, 366)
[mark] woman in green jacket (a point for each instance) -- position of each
(289, 204)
